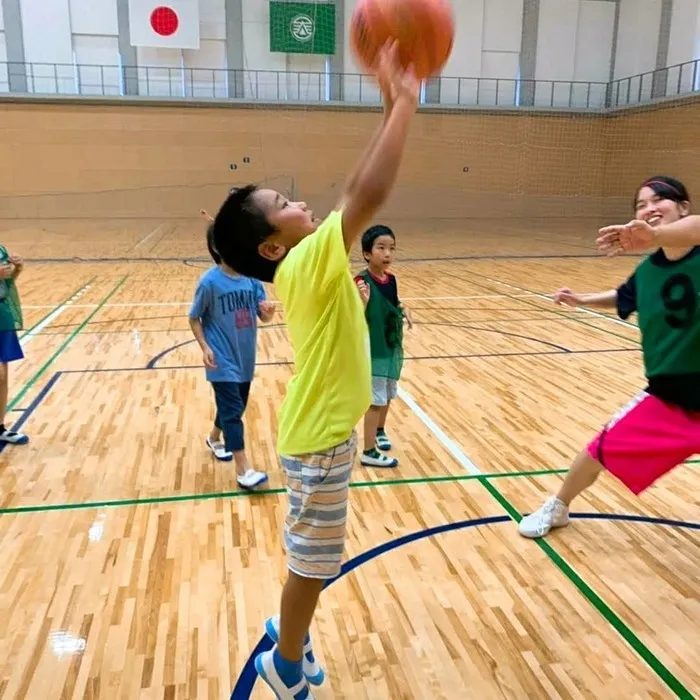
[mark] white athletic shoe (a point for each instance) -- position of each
(219, 450)
(251, 479)
(312, 670)
(265, 666)
(11, 438)
(553, 513)
(377, 459)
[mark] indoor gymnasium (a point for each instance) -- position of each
(135, 565)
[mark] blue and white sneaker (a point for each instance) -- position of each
(382, 441)
(251, 479)
(219, 450)
(11, 438)
(313, 672)
(268, 671)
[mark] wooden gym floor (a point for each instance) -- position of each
(132, 567)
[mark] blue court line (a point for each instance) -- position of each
(157, 358)
(16, 427)
(248, 676)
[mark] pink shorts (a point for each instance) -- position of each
(645, 440)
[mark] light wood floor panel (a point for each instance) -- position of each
(522, 413)
(167, 412)
(157, 594)
(170, 597)
(646, 572)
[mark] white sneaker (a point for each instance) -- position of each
(377, 459)
(312, 670)
(265, 666)
(251, 479)
(12, 438)
(219, 450)
(553, 513)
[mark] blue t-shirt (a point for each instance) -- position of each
(227, 306)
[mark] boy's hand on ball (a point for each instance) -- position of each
(395, 81)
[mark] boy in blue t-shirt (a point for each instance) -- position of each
(223, 318)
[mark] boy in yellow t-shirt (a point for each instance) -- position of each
(260, 234)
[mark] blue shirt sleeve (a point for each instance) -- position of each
(202, 300)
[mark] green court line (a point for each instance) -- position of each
(450, 478)
(598, 603)
(587, 591)
(266, 492)
(61, 348)
(58, 306)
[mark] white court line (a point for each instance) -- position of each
(448, 443)
(470, 296)
(105, 306)
(148, 236)
(52, 316)
(50, 306)
(612, 319)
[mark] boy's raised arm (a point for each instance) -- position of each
(373, 179)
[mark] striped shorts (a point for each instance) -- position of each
(314, 530)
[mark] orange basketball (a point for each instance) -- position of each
(424, 30)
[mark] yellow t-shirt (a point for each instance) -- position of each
(331, 386)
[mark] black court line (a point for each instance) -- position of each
(189, 261)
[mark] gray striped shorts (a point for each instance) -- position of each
(314, 530)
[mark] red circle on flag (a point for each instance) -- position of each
(164, 21)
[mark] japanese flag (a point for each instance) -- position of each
(170, 24)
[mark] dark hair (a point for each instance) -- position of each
(210, 244)
(238, 229)
(666, 188)
(371, 235)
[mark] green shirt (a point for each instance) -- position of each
(385, 321)
(665, 295)
(10, 310)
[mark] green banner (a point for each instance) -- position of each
(302, 27)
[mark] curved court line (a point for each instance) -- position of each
(248, 676)
(492, 330)
(157, 358)
(461, 356)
